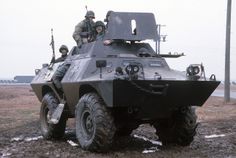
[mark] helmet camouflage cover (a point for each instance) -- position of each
(99, 23)
(90, 14)
(107, 15)
(63, 47)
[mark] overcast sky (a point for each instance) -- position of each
(195, 27)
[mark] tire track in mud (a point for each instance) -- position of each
(135, 145)
(216, 118)
(18, 146)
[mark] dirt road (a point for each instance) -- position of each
(20, 135)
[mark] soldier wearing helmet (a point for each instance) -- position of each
(62, 69)
(100, 30)
(63, 50)
(84, 31)
(108, 17)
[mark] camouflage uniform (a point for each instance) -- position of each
(100, 35)
(84, 31)
(60, 59)
(63, 54)
(61, 70)
(107, 17)
(58, 76)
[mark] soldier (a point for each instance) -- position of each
(63, 50)
(61, 70)
(108, 17)
(100, 30)
(84, 31)
(58, 76)
(108, 42)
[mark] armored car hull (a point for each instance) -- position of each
(151, 98)
(112, 89)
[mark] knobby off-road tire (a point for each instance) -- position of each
(51, 131)
(179, 129)
(95, 127)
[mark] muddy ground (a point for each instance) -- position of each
(20, 135)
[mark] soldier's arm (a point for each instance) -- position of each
(78, 30)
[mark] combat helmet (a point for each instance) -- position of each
(107, 16)
(99, 23)
(63, 47)
(90, 14)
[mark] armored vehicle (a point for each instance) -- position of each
(111, 89)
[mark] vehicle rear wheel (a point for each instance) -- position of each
(179, 129)
(95, 127)
(49, 130)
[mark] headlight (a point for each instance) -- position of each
(193, 70)
(132, 69)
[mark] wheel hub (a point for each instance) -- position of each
(87, 123)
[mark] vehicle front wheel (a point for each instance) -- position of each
(49, 130)
(95, 127)
(179, 129)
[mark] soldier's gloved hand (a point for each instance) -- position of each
(107, 42)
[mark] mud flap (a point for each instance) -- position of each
(56, 115)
